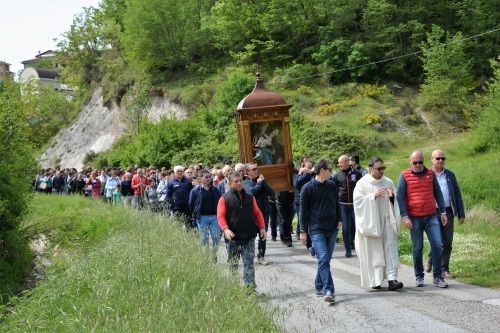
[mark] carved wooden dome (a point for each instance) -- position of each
(260, 97)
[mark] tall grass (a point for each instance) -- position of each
(146, 275)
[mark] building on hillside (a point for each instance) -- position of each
(5, 70)
(43, 75)
(47, 55)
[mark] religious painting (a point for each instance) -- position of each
(267, 142)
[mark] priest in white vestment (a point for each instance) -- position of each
(378, 224)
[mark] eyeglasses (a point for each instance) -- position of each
(188, 172)
(440, 158)
(197, 169)
(329, 169)
(417, 162)
(381, 168)
(255, 169)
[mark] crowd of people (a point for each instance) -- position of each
(240, 205)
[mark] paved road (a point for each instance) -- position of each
(289, 279)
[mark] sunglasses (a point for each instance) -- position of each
(417, 162)
(329, 169)
(381, 168)
(440, 158)
(255, 169)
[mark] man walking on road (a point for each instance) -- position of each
(346, 180)
(418, 193)
(454, 207)
(320, 217)
(256, 185)
(378, 224)
(240, 219)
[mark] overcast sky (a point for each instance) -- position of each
(29, 26)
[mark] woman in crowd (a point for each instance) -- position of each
(77, 185)
(96, 185)
(110, 186)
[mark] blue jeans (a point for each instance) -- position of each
(262, 244)
(208, 224)
(246, 249)
(324, 245)
(58, 191)
(429, 224)
(347, 226)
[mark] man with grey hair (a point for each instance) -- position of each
(177, 195)
(418, 194)
(454, 207)
(240, 167)
(223, 185)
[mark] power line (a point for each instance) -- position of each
(397, 57)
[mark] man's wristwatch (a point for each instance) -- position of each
(303, 231)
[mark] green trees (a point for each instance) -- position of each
(487, 125)
(447, 70)
(162, 35)
(24, 125)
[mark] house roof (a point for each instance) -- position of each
(3, 62)
(46, 73)
(38, 57)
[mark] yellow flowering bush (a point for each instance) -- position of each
(371, 119)
(304, 89)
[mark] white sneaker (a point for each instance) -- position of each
(262, 261)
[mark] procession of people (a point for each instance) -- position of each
(362, 205)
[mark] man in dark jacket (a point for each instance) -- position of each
(58, 183)
(454, 207)
(126, 190)
(177, 195)
(256, 185)
(240, 219)
(203, 201)
(305, 175)
(320, 217)
(346, 180)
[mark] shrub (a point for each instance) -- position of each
(371, 119)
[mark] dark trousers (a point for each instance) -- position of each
(348, 226)
(262, 243)
(185, 214)
(446, 239)
(273, 220)
(308, 240)
(285, 216)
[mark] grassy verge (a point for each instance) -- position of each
(140, 273)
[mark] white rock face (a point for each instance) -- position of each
(97, 127)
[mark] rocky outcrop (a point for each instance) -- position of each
(97, 127)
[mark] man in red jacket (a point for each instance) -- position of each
(240, 219)
(139, 183)
(418, 193)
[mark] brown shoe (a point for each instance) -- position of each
(448, 275)
(428, 266)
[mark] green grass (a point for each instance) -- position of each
(140, 273)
